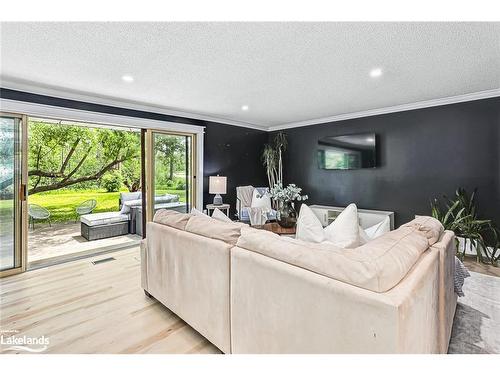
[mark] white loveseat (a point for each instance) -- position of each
(251, 291)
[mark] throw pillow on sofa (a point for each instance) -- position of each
(309, 227)
(343, 232)
(221, 216)
(197, 212)
(368, 234)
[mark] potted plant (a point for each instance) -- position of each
(460, 216)
(272, 159)
(285, 196)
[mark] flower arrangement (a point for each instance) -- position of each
(286, 194)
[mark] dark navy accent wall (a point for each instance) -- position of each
(421, 154)
(229, 150)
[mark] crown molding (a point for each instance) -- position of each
(62, 93)
(398, 108)
(20, 85)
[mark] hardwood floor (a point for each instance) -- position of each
(86, 308)
(486, 269)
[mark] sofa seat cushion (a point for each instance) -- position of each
(103, 218)
(377, 266)
(172, 218)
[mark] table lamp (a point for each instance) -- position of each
(217, 185)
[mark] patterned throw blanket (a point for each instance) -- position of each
(461, 273)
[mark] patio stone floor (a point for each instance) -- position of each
(63, 240)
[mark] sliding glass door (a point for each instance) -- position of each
(12, 193)
(171, 178)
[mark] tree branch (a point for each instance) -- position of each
(77, 166)
(67, 182)
(70, 153)
(40, 173)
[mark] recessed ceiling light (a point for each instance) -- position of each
(127, 78)
(374, 73)
(244, 107)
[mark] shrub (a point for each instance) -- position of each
(112, 181)
(170, 184)
(181, 185)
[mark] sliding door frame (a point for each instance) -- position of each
(28, 109)
(21, 206)
(193, 143)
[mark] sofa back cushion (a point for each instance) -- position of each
(428, 226)
(216, 229)
(377, 266)
(172, 218)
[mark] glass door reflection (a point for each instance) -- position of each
(12, 194)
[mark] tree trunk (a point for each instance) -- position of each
(171, 174)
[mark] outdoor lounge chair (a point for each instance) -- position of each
(37, 212)
(86, 207)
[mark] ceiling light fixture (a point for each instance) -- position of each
(244, 107)
(127, 78)
(375, 73)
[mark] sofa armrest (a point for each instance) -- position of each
(446, 248)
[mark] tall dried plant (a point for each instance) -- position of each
(272, 159)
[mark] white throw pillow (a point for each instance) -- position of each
(221, 216)
(260, 201)
(379, 229)
(363, 237)
(197, 212)
(344, 230)
(309, 227)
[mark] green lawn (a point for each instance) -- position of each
(62, 203)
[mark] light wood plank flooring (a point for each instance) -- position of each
(86, 308)
(486, 269)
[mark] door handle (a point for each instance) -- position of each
(22, 192)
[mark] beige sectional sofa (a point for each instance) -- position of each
(251, 291)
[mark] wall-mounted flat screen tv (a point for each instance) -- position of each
(354, 151)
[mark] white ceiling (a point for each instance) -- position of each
(284, 72)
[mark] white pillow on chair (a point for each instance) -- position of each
(261, 201)
(343, 232)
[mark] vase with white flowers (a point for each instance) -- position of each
(285, 196)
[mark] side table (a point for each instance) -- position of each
(222, 207)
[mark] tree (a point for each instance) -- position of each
(131, 172)
(6, 157)
(171, 149)
(66, 155)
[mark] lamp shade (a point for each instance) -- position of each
(217, 185)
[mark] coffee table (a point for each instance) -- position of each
(276, 228)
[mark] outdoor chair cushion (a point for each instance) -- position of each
(159, 199)
(124, 197)
(103, 218)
